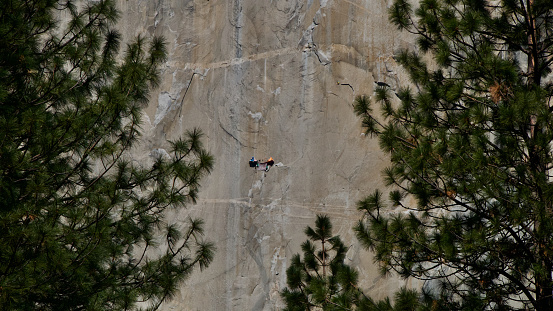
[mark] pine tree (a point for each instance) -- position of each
(470, 150)
(82, 224)
(321, 280)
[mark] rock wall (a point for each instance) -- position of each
(269, 78)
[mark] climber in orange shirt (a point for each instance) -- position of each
(270, 163)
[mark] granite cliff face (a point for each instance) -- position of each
(269, 78)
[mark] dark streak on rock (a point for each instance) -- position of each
(182, 101)
(237, 140)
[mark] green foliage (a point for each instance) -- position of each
(82, 225)
(470, 155)
(323, 281)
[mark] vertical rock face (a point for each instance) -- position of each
(269, 78)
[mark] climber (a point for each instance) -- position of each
(270, 163)
(253, 162)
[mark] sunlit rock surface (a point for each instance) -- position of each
(269, 78)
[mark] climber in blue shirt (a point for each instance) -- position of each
(253, 162)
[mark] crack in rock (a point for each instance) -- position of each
(311, 46)
(347, 84)
(236, 19)
(234, 137)
(308, 42)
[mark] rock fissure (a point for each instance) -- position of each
(186, 91)
(230, 134)
(236, 20)
(311, 46)
(347, 84)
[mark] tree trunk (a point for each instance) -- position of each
(544, 298)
